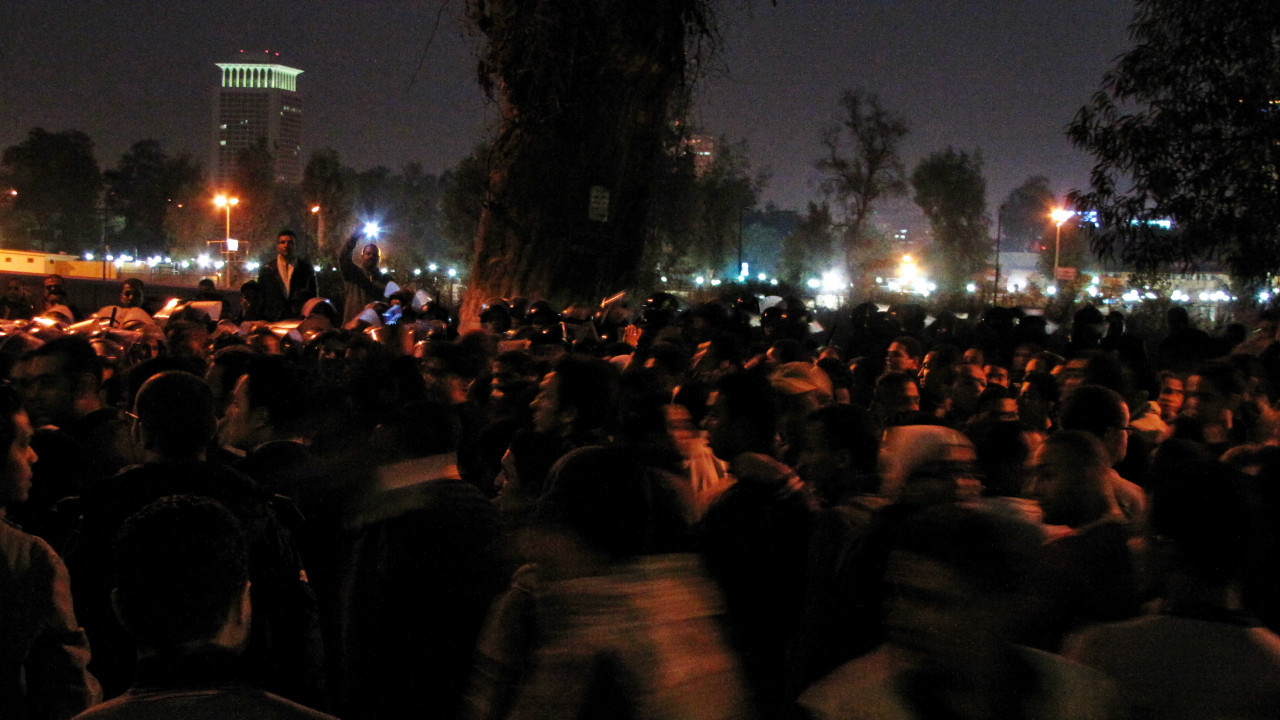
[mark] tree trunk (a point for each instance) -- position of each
(584, 88)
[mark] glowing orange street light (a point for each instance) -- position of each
(1059, 216)
(223, 201)
(315, 210)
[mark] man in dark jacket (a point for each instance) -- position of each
(363, 283)
(175, 423)
(287, 282)
(182, 590)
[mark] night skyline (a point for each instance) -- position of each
(387, 83)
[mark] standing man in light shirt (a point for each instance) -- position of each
(288, 282)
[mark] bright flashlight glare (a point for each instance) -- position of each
(371, 229)
(833, 281)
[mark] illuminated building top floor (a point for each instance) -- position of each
(259, 76)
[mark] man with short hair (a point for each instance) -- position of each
(1103, 413)
(1214, 395)
(15, 305)
(897, 399)
(363, 283)
(904, 355)
(961, 400)
(174, 425)
(262, 420)
(425, 561)
(81, 440)
(43, 651)
(754, 537)
(55, 297)
(182, 591)
(575, 406)
(288, 281)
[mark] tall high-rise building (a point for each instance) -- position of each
(258, 100)
(703, 148)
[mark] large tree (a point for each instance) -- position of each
(258, 216)
(1024, 216)
(809, 247)
(139, 193)
(725, 192)
(585, 89)
(1186, 127)
(862, 165)
(59, 188)
(951, 191)
(462, 195)
(329, 185)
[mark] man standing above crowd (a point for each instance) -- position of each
(288, 282)
(363, 283)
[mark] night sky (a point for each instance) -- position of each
(1003, 76)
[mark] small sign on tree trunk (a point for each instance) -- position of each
(598, 208)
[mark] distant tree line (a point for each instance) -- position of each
(58, 198)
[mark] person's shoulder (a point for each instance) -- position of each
(203, 704)
(1068, 689)
(865, 687)
(157, 479)
(18, 545)
(26, 558)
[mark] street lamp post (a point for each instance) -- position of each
(223, 201)
(995, 290)
(1059, 216)
(315, 210)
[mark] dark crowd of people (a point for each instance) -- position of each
(648, 512)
